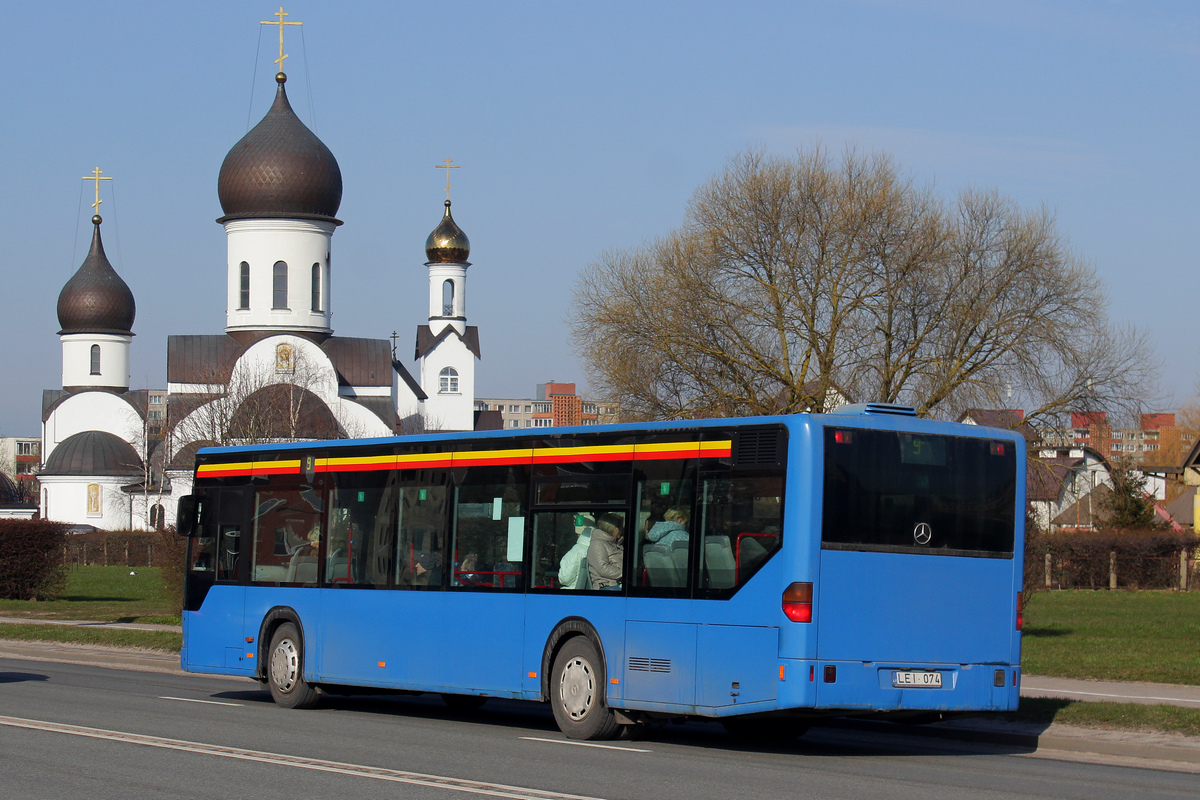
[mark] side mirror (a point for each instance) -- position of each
(185, 516)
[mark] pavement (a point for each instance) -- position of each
(1137, 748)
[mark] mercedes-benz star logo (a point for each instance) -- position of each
(922, 533)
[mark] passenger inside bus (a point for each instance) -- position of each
(572, 572)
(606, 552)
(672, 528)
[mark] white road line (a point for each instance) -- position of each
(586, 744)
(206, 702)
(283, 760)
(1068, 692)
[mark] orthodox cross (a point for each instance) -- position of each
(280, 22)
(95, 176)
(447, 167)
(394, 337)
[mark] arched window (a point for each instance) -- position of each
(448, 298)
(448, 381)
(158, 517)
(280, 285)
(316, 287)
(244, 286)
(95, 359)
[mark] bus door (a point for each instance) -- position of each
(917, 555)
(214, 597)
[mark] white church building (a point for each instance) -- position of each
(277, 372)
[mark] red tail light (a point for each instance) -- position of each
(797, 602)
(1020, 611)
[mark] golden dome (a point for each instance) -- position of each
(447, 244)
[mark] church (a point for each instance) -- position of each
(277, 372)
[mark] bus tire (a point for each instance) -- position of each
(577, 692)
(285, 669)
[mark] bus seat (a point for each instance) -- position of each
(660, 569)
(584, 581)
(337, 570)
(302, 569)
(679, 557)
(718, 562)
(751, 553)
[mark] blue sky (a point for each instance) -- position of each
(579, 127)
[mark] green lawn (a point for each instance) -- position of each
(1122, 636)
(166, 641)
(105, 594)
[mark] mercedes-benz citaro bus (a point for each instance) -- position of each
(764, 572)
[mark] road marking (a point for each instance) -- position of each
(283, 760)
(586, 744)
(206, 702)
(1068, 692)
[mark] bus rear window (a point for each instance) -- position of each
(904, 492)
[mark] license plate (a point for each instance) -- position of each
(917, 679)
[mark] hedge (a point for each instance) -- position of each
(32, 564)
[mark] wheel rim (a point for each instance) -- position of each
(577, 688)
(285, 665)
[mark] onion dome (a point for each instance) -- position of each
(447, 244)
(280, 169)
(93, 453)
(96, 300)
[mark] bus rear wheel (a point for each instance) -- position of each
(577, 689)
(285, 670)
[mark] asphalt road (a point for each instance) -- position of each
(69, 730)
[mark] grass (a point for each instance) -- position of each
(1120, 636)
(165, 641)
(104, 594)
(1111, 716)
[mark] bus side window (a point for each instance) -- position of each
(489, 527)
(662, 538)
(358, 551)
(287, 535)
(421, 535)
(741, 519)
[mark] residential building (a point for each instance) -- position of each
(555, 405)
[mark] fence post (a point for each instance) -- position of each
(1183, 569)
(1048, 568)
(127, 552)
(1112, 569)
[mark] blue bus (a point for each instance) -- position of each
(765, 572)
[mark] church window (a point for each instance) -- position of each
(95, 359)
(316, 287)
(448, 381)
(448, 298)
(244, 286)
(280, 285)
(158, 517)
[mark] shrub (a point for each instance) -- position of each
(170, 553)
(1144, 559)
(32, 566)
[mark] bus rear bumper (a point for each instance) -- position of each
(892, 686)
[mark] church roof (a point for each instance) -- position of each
(204, 358)
(93, 453)
(95, 299)
(447, 244)
(426, 341)
(360, 362)
(280, 169)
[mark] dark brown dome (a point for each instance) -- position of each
(93, 453)
(447, 244)
(280, 169)
(96, 300)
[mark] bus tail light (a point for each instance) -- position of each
(1020, 611)
(797, 602)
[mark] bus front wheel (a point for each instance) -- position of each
(577, 689)
(285, 670)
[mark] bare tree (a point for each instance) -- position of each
(254, 406)
(794, 281)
